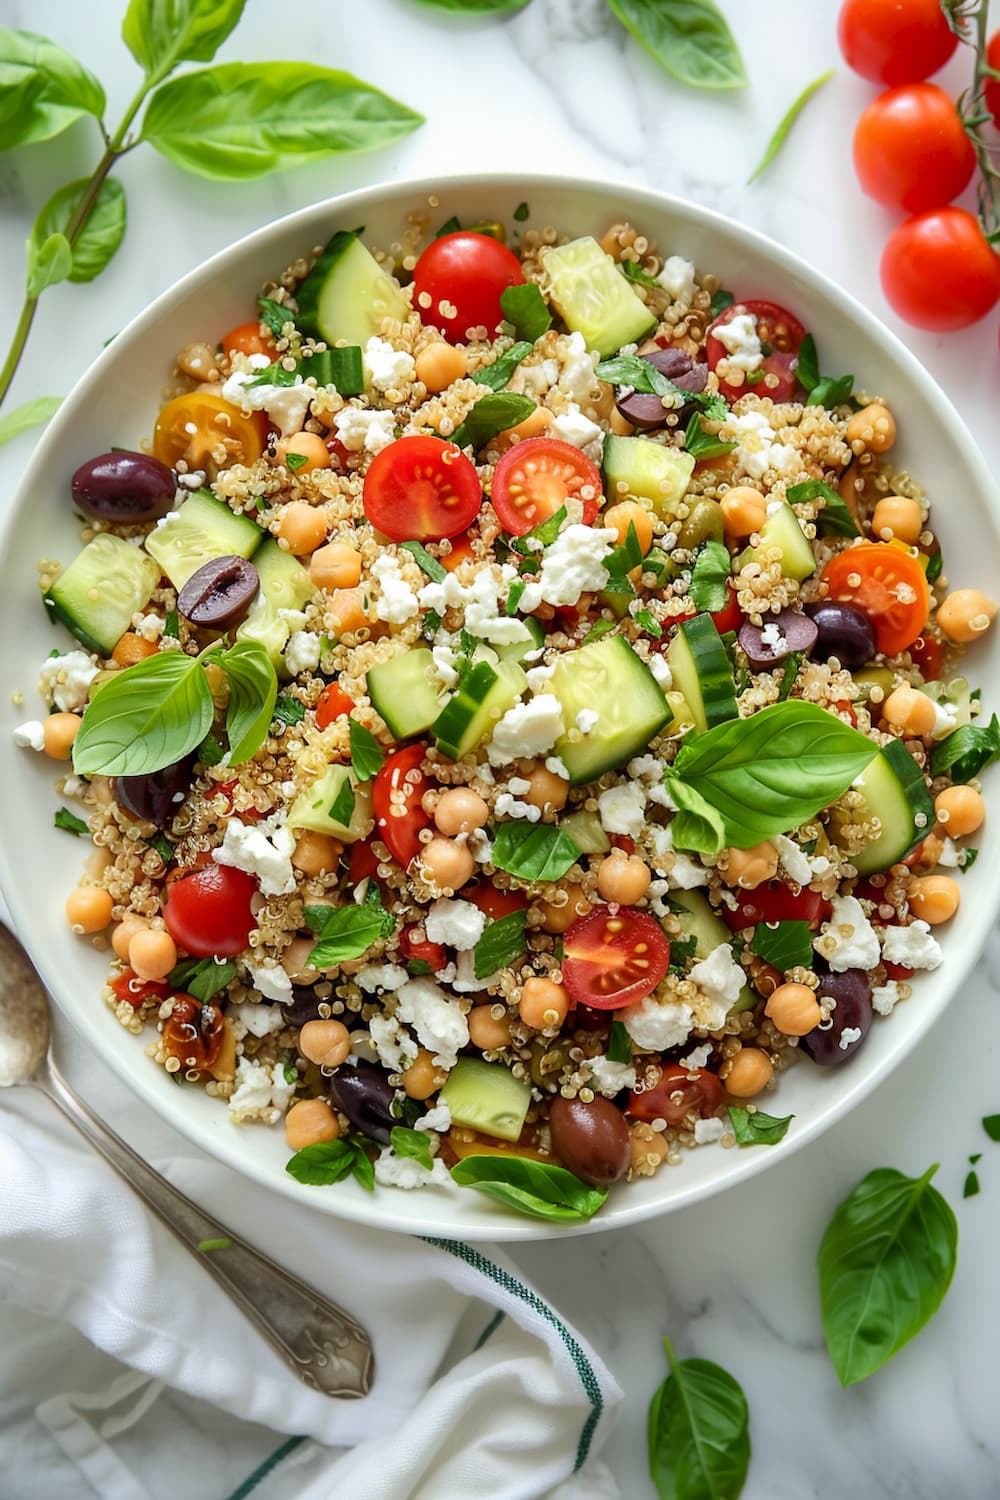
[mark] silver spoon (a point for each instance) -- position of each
(320, 1342)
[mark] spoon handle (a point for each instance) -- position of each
(320, 1342)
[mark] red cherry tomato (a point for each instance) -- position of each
(775, 902)
(894, 41)
(194, 1031)
(677, 1094)
(614, 957)
(422, 949)
(780, 335)
(226, 789)
(396, 795)
(897, 971)
(248, 339)
(362, 862)
(536, 477)
(463, 274)
(461, 551)
(992, 90)
(128, 986)
(332, 704)
(730, 617)
(337, 452)
(911, 151)
(493, 901)
(928, 654)
(889, 584)
(207, 910)
(938, 271)
(421, 489)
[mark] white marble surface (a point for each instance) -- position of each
(558, 87)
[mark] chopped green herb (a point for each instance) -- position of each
(294, 461)
(967, 751)
(619, 1043)
(975, 1157)
(70, 822)
(991, 1124)
(163, 847)
(721, 299)
(934, 567)
(755, 377)
(526, 308)
(621, 562)
(273, 315)
(373, 902)
(493, 414)
(517, 588)
(498, 374)
(521, 212)
(468, 642)
(824, 390)
(703, 444)
(599, 628)
(967, 859)
(417, 966)
(786, 122)
(424, 561)
(207, 1246)
(342, 806)
(431, 625)
(632, 271)
(682, 951)
(201, 977)
(171, 624)
(834, 519)
(210, 752)
(544, 534)
(648, 622)
(501, 945)
(288, 709)
(790, 675)
(366, 754)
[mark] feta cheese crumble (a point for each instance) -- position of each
(708, 1131)
(607, 1077)
(757, 450)
(261, 1092)
(528, 729)
(269, 859)
(286, 405)
(408, 1173)
(370, 431)
(30, 736)
(912, 946)
(854, 944)
(303, 652)
(654, 1025)
(848, 1037)
(885, 997)
(393, 1045)
(271, 980)
(622, 809)
(439, 1021)
(677, 278)
(571, 566)
(720, 979)
(380, 977)
(255, 1018)
(65, 680)
(741, 341)
(457, 924)
(587, 719)
(386, 368)
(571, 426)
(398, 602)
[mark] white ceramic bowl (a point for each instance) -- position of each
(116, 403)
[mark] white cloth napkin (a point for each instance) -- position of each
(514, 1419)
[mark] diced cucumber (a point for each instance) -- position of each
(483, 697)
(347, 294)
(895, 792)
(649, 471)
(406, 692)
(311, 808)
(608, 678)
(782, 529)
(101, 590)
(518, 650)
(702, 672)
(592, 296)
(698, 920)
(284, 584)
(202, 529)
(585, 829)
(486, 1096)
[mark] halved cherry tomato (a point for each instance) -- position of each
(207, 910)
(928, 654)
(614, 957)
(396, 796)
(897, 971)
(421, 489)
(780, 335)
(889, 584)
(362, 862)
(422, 949)
(679, 1092)
(536, 477)
(332, 704)
(193, 1032)
(199, 425)
(248, 339)
(128, 986)
(775, 902)
(464, 273)
(494, 902)
(461, 551)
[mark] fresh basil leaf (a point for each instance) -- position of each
(288, 709)
(807, 371)
(619, 1043)
(690, 39)
(934, 567)
(708, 577)
(967, 858)
(450, 226)
(885, 1263)
(697, 826)
(526, 308)
(632, 271)
(373, 902)
(366, 756)
(210, 752)
(341, 809)
(698, 1434)
(522, 211)
(322, 1164)
(620, 563)
(758, 1129)
(362, 1169)
(786, 122)
(31, 414)
(542, 535)
(245, 120)
(824, 390)
(638, 374)
(161, 33)
(970, 1186)
(721, 299)
(834, 519)
(785, 945)
(532, 1187)
(991, 1124)
(315, 917)
(535, 852)
(274, 315)
(42, 89)
(703, 444)
(253, 691)
(423, 559)
(72, 824)
(145, 718)
(98, 237)
(294, 461)
(517, 588)
(163, 847)
(599, 628)
(49, 262)
(498, 374)
(411, 1143)
(476, 7)
(171, 624)
(501, 945)
(493, 414)
(204, 978)
(967, 751)
(682, 951)
(790, 675)
(431, 625)
(348, 932)
(648, 622)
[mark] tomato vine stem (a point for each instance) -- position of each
(968, 19)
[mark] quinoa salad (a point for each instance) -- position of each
(516, 710)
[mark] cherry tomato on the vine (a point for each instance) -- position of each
(421, 489)
(679, 1092)
(911, 151)
(536, 477)
(889, 584)
(397, 792)
(780, 335)
(207, 910)
(894, 41)
(992, 91)
(939, 272)
(458, 280)
(613, 957)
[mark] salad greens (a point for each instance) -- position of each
(534, 851)
(500, 946)
(533, 1187)
(757, 1129)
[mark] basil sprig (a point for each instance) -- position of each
(708, 577)
(698, 1432)
(500, 945)
(201, 977)
(885, 1263)
(824, 390)
(532, 1187)
(526, 308)
(786, 945)
(493, 414)
(758, 1129)
(331, 1161)
(535, 852)
(834, 519)
(967, 751)
(412, 1143)
(498, 374)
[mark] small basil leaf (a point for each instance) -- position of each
(824, 390)
(100, 234)
(43, 89)
(423, 559)
(366, 756)
(967, 751)
(786, 945)
(274, 315)
(201, 977)
(834, 519)
(708, 577)
(161, 33)
(253, 691)
(210, 752)
(498, 374)
(970, 1186)
(638, 374)
(721, 299)
(31, 414)
(71, 823)
(49, 262)
(682, 951)
(698, 1432)
(341, 809)
(535, 852)
(934, 567)
(145, 718)
(648, 622)
(599, 628)
(632, 271)
(348, 932)
(542, 535)
(163, 847)
(322, 1164)
(619, 1041)
(758, 1129)
(526, 308)
(688, 38)
(532, 1187)
(362, 1169)
(703, 444)
(500, 945)
(373, 902)
(411, 1143)
(789, 118)
(493, 414)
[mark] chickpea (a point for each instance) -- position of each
(934, 898)
(303, 527)
(310, 1122)
(534, 424)
(873, 427)
(794, 1009)
(152, 954)
(749, 868)
(326, 1043)
(88, 908)
(623, 877)
(560, 915)
(897, 518)
(305, 445)
(630, 513)
(620, 426)
(335, 566)
(965, 614)
(315, 853)
(744, 510)
(485, 1032)
(348, 608)
(647, 1148)
(439, 365)
(960, 810)
(198, 361)
(423, 1077)
(546, 790)
(750, 1072)
(295, 959)
(447, 865)
(131, 649)
(60, 731)
(125, 932)
(460, 811)
(909, 711)
(543, 1004)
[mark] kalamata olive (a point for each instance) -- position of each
(124, 487)
(853, 993)
(844, 631)
(648, 411)
(365, 1095)
(590, 1139)
(220, 593)
(155, 798)
(777, 638)
(305, 1006)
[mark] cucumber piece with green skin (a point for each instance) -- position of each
(895, 792)
(486, 1096)
(347, 294)
(702, 673)
(592, 296)
(609, 679)
(649, 471)
(405, 691)
(782, 529)
(201, 530)
(311, 808)
(585, 829)
(698, 920)
(481, 698)
(284, 584)
(101, 590)
(518, 650)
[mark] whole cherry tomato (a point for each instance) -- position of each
(207, 910)
(911, 151)
(458, 280)
(939, 272)
(894, 41)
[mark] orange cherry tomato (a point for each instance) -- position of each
(208, 433)
(332, 704)
(888, 584)
(248, 339)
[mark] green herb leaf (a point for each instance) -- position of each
(834, 519)
(493, 414)
(501, 945)
(970, 1186)
(366, 756)
(288, 709)
(49, 262)
(373, 902)
(885, 1263)
(785, 945)
(632, 271)
(783, 130)
(790, 675)
(30, 414)
(210, 752)
(824, 390)
(100, 235)
(532, 1187)
(72, 824)
(619, 1043)
(682, 951)
(708, 577)
(161, 33)
(348, 932)
(639, 375)
(294, 461)
(758, 1129)
(698, 1432)
(202, 977)
(648, 622)
(341, 809)
(688, 38)
(544, 534)
(698, 827)
(253, 691)
(991, 1124)
(934, 567)
(411, 1143)
(526, 308)
(534, 852)
(476, 7)
(522, 211)
(513, 599)
(498, 374)
(145, 718)
(417, 966)
(207, 1246)
(163, 847)
(324, 1163)
(428, 564)
(43, 89)
(967, 858)
(171, 624)
(703, 444)
(245, 120)
(967, 751)
(274, 315)
(599, 628)
(721, 299)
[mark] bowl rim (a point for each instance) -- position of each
(370, 1210)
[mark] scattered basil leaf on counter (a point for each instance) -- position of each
(411, 1143)
(521, 212)
(501, 945)
(161, 33)
(834, 519)
(526, 308)
(703, 444)
(70, 822)
(424, 561)
(328, 1162)
(210, 752)
(970, 1186)
(498, 374)
(163, 847)
(145, 718)
(342, 807)
(690, 39)
(709, 576)
(347, 932)
(885, 1263)
(476, 7)
(101, 233)
(534, 851)
(541, 535)
(698, 1433)
(45, 89)
(934, 567)
(784, 127)
(288, 709)
(991, 1124)
(494, 413)
(967, 751)
(205, 1247)
(721, 299)
(274, 315)
(532, 1187)
(824, 390)
(789, 675)
(786, 945)
(367, 758)
(632, 271)
(30, 414)
(619, 1043)
(253, 691)
(758, 1129)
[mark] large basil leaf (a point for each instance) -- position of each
(49, 262)
(885, 1264)
(161, 33)
(42, 89)
(525, 307)
(348, 932)
(500, 945)
(31, 414)
(253, 690)
(100, 234)
(967, 751)
(698, 1432)
(697, 826)
(534, 851)
(758, 1129)
(331, 1161)
(145, 718)
(689, 38)
(532, 1187)
(490, 415)
(244, 120)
